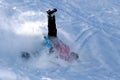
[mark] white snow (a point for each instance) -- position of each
(7, 75)
(90, 27)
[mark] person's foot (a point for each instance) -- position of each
(50, 12)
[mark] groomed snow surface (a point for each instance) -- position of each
(90, 27)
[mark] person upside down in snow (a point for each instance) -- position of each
(62, 50)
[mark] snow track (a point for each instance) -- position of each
(91, 28)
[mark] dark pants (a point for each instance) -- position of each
(52, 31)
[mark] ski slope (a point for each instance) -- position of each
(90, 27)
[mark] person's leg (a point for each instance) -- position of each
(52, 30)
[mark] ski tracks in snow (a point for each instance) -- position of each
(84, 35)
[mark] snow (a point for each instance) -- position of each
(10, 75)
(91, 28)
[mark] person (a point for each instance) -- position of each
(61, 49)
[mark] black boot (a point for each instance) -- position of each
(50, 12)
